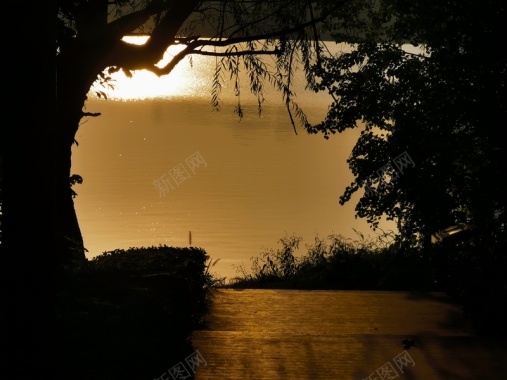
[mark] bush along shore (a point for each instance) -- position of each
(129, 314)
(470, 271)
(341, 264)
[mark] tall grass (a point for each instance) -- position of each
(378, 263)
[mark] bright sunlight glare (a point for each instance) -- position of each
(184, 80)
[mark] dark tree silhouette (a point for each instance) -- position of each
(443, 105)
(443, 108)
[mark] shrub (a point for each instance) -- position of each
(130, 313)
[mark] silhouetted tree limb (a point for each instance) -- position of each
(138, 57)
(91, 114)
(236, 54)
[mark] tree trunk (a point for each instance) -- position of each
(68, 234)
(75, 75)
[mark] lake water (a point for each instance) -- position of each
(156, 168)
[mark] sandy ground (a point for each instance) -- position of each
(342, 335)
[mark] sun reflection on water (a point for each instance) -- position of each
(187, 78)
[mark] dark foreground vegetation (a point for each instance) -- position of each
(129, 314)
(469, 271)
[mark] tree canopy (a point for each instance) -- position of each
(441, 104)
(238, 33)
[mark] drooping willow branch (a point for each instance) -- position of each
(237, 53)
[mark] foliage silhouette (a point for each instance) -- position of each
(442, 103)
(340, 263)
(135, 310)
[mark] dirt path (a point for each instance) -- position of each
(342, 335)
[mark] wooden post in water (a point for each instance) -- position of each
(190, 238)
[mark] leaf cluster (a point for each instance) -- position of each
(441, 99)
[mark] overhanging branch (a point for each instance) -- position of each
(126, 24)
(91, 114)
(172, 64)
(236, 53)
(264, 36)
(193, 47)
(148, 55)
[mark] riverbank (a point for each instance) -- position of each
(472, 275)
